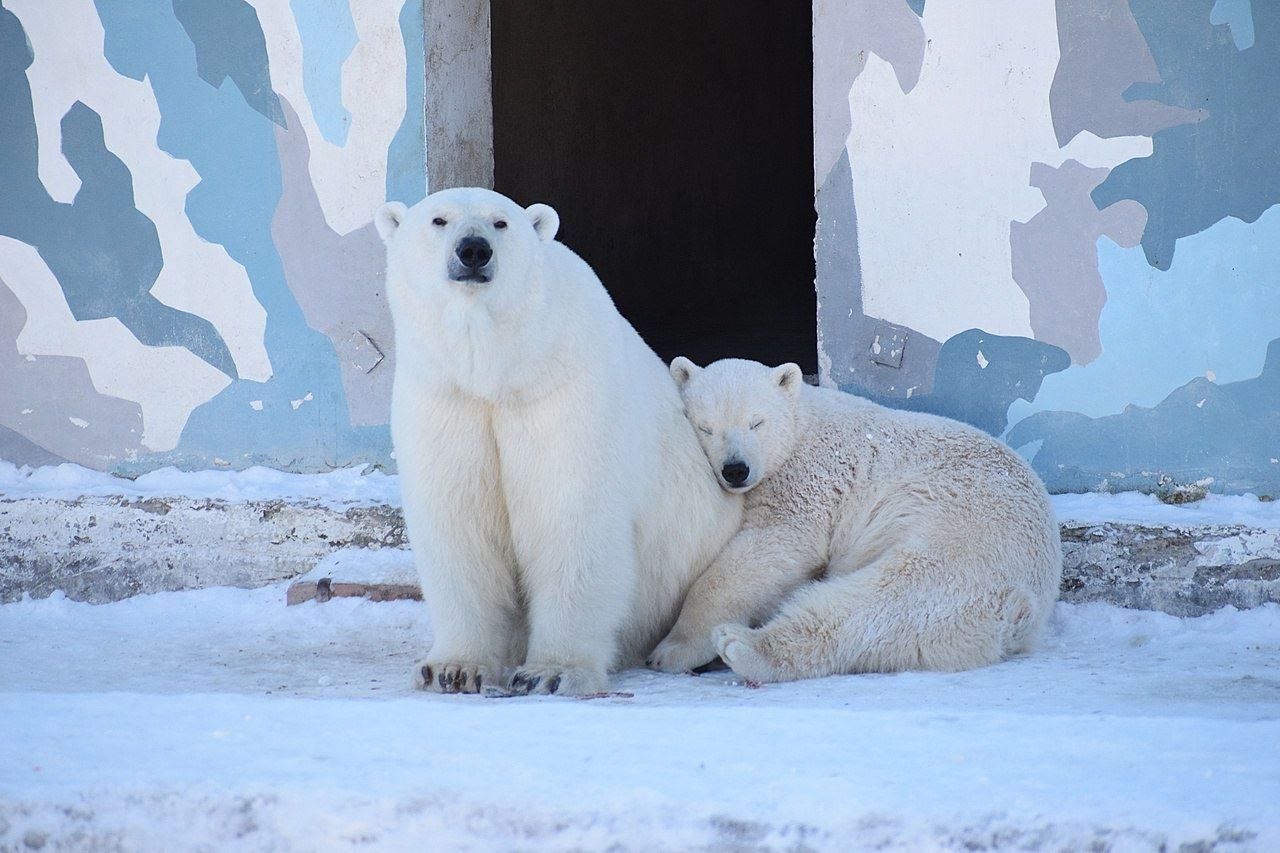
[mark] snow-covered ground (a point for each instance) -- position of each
(222, 718)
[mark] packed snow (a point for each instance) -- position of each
(220, 717)
(363, 486)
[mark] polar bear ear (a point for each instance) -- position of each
(388, 219)
(682, 370)
(545, 221)
(788, 377)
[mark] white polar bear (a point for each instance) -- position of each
(929, 544)
(555, 496)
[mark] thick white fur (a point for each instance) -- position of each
(558, 503)
(874, 540)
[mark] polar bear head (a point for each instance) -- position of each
(467, 240)
(744, 414)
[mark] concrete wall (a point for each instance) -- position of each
(1055, 221)
(1058, 222)
(188, 273)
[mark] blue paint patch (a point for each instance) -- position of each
(407, 155)
(328, 37)
(917, 6)
(1238, 15)
(233, 149)
(103, 251)
(1203, 429)
(1224, 165)
(1214, 311)
(230, 45)
(978, 376)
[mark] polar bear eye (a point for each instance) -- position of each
(500, 224)
(758, 424)
(439, 222)
(705, 430)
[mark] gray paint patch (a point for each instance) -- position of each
(843, 33)
(1055, 256)
(103, 251)
(1088, 94)
(1230, 432)
(1222, 166)
(978, 377)
(20, 450)
(337, 280)
(847, 336)
(40, 395)
(229, 44)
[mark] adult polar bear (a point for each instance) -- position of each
(557, 500)
(936, 543)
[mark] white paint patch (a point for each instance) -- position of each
(80, 422)
(166, 382)
(940, 173)
(982, 360)
(1211, 376)
(1234, 550)
(297, 403)
(26, 411)
(349, 180)
(1200, 405)
(256, 405)
(198, 276)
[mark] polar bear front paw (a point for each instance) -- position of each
(450, 677)
(562, 680)
(672, 655)
(737, 647)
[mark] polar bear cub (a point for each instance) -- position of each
(874, 540)
(555, 496)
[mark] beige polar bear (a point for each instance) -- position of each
(556, 499)
(874, 540)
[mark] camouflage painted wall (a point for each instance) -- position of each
(188, 272)
(1059, 222)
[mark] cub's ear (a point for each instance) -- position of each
(682, 370)
(388, 219)
(545, 221)
(789, 378)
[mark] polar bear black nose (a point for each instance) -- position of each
(474, 252)
(735, 473)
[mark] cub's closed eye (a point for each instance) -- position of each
(758, 424)
(500, 224)
(704, 430)
(439, 221)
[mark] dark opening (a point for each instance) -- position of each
(675, 139)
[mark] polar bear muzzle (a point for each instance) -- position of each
(472, 260)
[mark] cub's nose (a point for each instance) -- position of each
(474, 252)
(735, 473)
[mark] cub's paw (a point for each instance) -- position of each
(452, 677)
(562, 680)
(673, 655)
(738, 648)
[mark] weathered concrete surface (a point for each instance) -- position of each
(107, 548)
(1183, 571)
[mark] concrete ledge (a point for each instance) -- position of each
(1184, 571)
(101, 549)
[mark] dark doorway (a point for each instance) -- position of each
(675, 139)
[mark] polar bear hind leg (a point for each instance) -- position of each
(904, 611)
